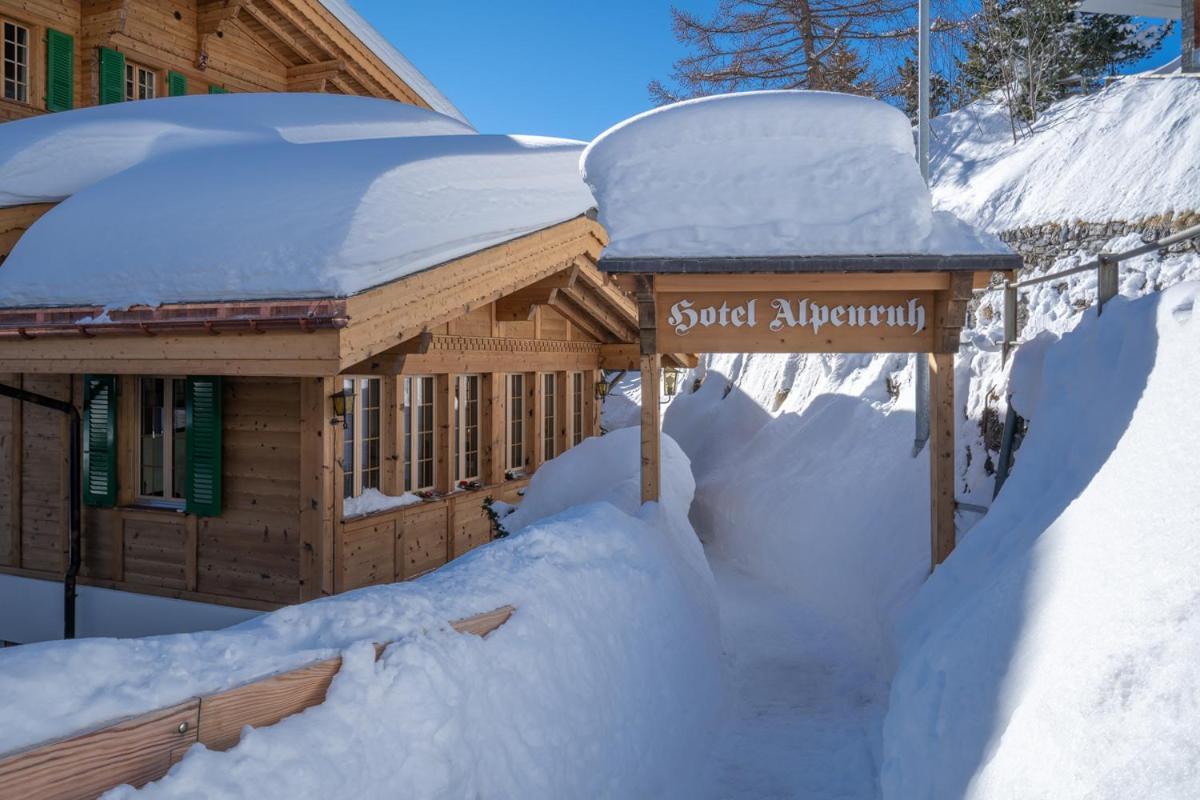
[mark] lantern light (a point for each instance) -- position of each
(602, 387)
(670, 381)
(343, 403)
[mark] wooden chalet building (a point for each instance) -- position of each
(227, 446)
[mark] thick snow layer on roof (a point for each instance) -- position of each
(769, 173)
(393, 58)
(266, 217)
(606, 682)
(50, 157)
(1124, 153)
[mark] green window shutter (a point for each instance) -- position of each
(214, 89)
(176, 84)
(100, 440)
(204, 446)
(112, 76)
(60, 71)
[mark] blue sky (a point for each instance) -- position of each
(553, 67)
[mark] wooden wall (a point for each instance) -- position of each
(61, 15)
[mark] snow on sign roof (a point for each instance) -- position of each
(769, 174)
(1162, 9)
(250, 209)
(395, 60)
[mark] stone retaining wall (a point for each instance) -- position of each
(1042, 245)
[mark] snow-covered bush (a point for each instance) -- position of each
(605, 682)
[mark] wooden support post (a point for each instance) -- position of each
(443, 468)
(493, 455)
(1010, 320)
(563, 389)
(591, 406)
(651, 364)
(535, 430)
(651, 424)
(941, 455)
(319, 483)
(391, 434)
(1107, 281)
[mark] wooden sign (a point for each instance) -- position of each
(795, 322)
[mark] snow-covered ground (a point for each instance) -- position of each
(605, 682)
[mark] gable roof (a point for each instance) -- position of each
(393, 58)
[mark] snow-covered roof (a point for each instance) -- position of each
(769, 174)
(1162, 9)
(395, 60)
(1126, 152)
(223, 198)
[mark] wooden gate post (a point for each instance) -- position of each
(941, 456)
(650, 362)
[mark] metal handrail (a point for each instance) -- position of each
(1115, 258)
(1107, 266)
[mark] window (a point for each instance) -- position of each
(549, 403)
(162, 451)
(516, 421)
(139, 82)
(418, 433)
(16, 62)
(576, 408)
(360, 449)
(466, 427)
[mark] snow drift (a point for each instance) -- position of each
(1124, 153)
(605, 683)
(1056, 653)
(768, 173)
(265, 197)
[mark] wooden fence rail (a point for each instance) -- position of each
(141, 749)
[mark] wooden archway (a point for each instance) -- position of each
(812, 304)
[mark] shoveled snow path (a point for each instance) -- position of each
(804, 722)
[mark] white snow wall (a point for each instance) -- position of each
(1057, 652)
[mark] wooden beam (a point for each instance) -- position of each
(562, 416)
(535, 436)
(492, 455)
(577, 316)
(444, 441)
(620, 326)
(330, 66)
(651, 429)
(520, 305)
(941, 456)
(317, 485)
(282, 36)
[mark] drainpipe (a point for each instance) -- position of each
(921, 387)
(76, 493)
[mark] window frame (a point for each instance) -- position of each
(419, 392)
(514, 424)
(354, 442)
(27, 65)
(168, 498)
(134, 73)
(463, 426)
(549, 421)
(576, 403)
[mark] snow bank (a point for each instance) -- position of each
(1055, 654)
(815, 491)
(51, 157)
(768, 173)
(605, 683)
(1124, 153)
(275, 219)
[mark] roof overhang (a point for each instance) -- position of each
(1161, 9)
(721, 265)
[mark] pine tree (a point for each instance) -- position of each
(1033, 51)
(941, 95)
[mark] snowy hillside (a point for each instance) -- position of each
(1126, 152)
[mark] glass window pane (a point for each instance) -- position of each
(406, 415)
(152, 450)
(179, 439)
(348, 445)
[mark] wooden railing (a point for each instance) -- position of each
(143, 748)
